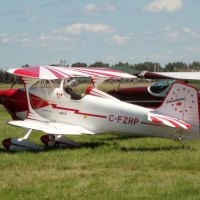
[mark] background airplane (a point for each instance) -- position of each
(183, 76)
(153, 95)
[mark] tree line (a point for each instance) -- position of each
(145, 66)
(127, 67)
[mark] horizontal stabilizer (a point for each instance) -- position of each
(168, 121)
(51, 127)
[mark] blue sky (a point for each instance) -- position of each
(42, 32)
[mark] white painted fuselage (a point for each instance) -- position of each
(99, 112)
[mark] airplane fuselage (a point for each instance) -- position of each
(97, 112)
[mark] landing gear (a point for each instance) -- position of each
(55, 141)
(51, 141)
(20, 144)
(180, 140)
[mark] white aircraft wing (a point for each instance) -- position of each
(50, 72)
(172, 75)
(168, 121)
(51, 127)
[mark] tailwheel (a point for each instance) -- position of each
(58, 141)
(20, 144)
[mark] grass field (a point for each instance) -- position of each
(105, 167)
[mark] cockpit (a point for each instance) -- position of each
(58, 87)
(160, 88)
(74, 95)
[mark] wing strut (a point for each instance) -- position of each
(27, 134)
(28, 82)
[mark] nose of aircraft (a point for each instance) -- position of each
(1, 93)
(4, 94)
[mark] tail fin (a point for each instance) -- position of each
(180, 108)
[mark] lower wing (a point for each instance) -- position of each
(51, 127)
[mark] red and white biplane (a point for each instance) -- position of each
(47, 104)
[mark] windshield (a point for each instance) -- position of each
(160, 88)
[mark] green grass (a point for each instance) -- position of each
(106, 167)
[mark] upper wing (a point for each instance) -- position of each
(50, 72)
(51, 127)
(172, 75)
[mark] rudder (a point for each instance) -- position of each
(181, 103)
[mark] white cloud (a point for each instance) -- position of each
(4, 38)
(159, 56)
(163, 5)
(52, 38)
(37, 19)
(91, 28)
(118, 39)
(178, 34)
(192, 50)
(37, 40)
(27, 40)
(187, 30)
(168, 33)
(92, 8)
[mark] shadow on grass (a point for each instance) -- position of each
(91, 145)
(165, 147)
(105, 142)
(120, 137)
(3, 150)
(154, 149)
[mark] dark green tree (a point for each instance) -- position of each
(79, 64)
(176, 66)
(99, 64)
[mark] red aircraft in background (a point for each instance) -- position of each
(152, 96)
